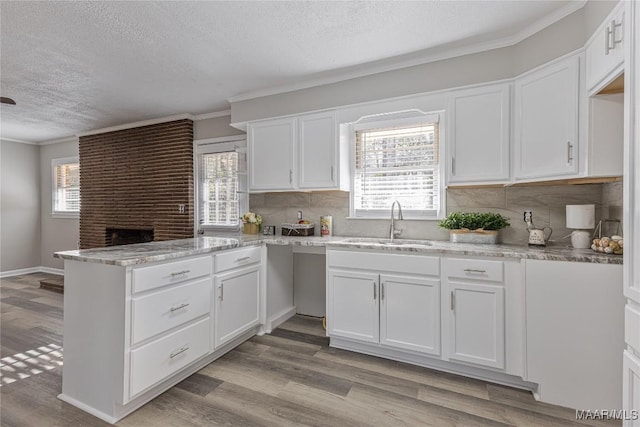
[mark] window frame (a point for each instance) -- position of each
(211, 146)
(405, 118)
(54, 187)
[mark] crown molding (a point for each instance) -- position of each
(60, 140)
(18, 141)
(413, 59)
(137, 124)
(212, 115)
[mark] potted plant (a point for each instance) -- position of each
(251, 223)
(474, 227)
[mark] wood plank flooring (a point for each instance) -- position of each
(289, 378)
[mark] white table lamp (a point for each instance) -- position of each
(581, 218)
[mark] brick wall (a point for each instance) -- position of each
(136, 178)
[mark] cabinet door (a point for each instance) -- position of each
(546, 122)
(476, 324)
(317, 143)
(479, 135)
(631, 388)
(353, 305)
(271, 154)
(410, 313)
(605, 51)
(237, 303)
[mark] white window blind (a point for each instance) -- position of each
(219, 202)
(398, 163)
(66, 186)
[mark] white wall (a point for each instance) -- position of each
(57, 234)
(214, 128)
(566, 35)
(19, 206)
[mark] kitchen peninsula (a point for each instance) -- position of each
(140, 318)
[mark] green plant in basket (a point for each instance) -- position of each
(474, 221)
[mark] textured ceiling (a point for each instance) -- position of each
(77, 66)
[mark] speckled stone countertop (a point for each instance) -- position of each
(441, 247)
(142, 253)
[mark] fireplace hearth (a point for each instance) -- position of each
(127, 236)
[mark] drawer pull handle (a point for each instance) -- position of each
(178, 351)
(474, 270)
(374, 291)
(221, 291)
(180, 273)
(178, 307)
(244, 258)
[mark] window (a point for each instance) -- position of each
(66, 187)
(221, 181)
(398, 160)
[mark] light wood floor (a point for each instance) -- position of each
(289, 378)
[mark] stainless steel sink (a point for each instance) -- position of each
(388, 242)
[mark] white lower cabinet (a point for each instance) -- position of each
(159, 359)
(384, 307)
(237, 304)
(142, 329)
(462, 314)
(631, 389)
(575, 332)
(476, 328)
(353, 310)
(410, 313)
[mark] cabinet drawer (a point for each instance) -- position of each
(474, 269)
(168, 308)
(160, 359)
(155, 276)
(401, 263)
(237, 258)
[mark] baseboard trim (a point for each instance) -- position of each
(30, 270)
(50, 270)
(278, 319)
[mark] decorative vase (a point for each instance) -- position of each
(464, 235)
(250, 228)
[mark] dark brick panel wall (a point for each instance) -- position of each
(136, 178)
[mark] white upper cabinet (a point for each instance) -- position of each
(546, 141)
(271, 154)
(479, 135)
(605, 51)
(317, 139)
(294, 153)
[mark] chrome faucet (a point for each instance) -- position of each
(393, 233)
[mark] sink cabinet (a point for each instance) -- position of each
(387, 300)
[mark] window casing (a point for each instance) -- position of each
(221, 184)
(398, 159)
(66, 187)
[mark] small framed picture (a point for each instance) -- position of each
(269, 230)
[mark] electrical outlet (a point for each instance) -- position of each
(181, 209)
(528, 216)
(299, 215)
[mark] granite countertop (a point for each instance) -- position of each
(142, 253)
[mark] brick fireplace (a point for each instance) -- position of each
(133, 182)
